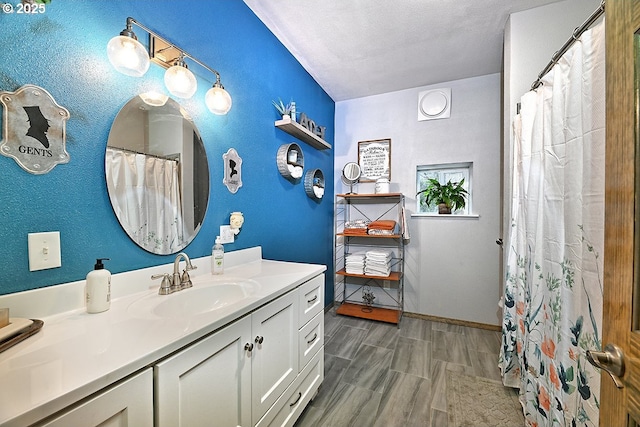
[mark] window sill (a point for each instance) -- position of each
(445, 216)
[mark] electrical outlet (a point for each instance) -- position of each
(226, 235)
(44, 250)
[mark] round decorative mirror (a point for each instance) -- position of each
(157, 174)
(351, 174)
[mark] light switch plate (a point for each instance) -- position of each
(226, 235)
(44, 250)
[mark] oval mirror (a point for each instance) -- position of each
(351, 174)
(157, 174)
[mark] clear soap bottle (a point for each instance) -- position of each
(217, 257)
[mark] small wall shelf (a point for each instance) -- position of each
(285, 162)
(303, 134)
(314, 184)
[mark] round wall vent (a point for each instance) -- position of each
(434, 104)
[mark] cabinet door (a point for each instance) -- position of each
(129, 403)
(207, 384)
(274, 361)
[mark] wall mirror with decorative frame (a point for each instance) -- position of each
(157, 174)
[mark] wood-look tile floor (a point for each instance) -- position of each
(379, 375)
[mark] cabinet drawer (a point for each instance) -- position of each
(311, 339)
(128, 403)
(311, 296)
(288, 408)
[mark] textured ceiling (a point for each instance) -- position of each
(356, 48)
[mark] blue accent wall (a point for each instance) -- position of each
(64, 51)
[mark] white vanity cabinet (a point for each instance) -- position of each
(129, 403)
(310, 348)
(207, 356)
(255, 371)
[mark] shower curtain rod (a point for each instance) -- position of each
(173, 159)
(576, 34)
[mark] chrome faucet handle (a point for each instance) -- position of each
(185, 282)
(166, 286)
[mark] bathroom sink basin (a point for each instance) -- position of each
(194, 301)
(205, 296)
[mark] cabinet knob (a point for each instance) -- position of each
(249, 347)
(259, 339)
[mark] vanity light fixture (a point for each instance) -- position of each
(127, 54)
(130, 57)
(217, 99)
(179, 80)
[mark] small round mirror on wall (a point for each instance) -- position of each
(351, 174)
(157, 174)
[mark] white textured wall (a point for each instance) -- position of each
(452, 265)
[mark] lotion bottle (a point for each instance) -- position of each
(98, 288)
(217, 257)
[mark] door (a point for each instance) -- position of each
(621, 406)
(208, 383)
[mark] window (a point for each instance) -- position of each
(454, 172)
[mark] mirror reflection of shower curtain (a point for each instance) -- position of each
(554, 284)
(147, 199)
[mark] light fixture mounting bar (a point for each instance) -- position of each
(164, 53)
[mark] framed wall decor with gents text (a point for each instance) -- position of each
(374, 158)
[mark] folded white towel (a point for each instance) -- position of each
(376, 272)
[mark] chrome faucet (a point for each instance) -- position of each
(176, 282)
(184, 281)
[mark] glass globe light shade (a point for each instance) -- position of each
(218, 100)
(154, 99)
(180, 81)
(128, 56)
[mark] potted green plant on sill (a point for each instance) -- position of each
(449, 197)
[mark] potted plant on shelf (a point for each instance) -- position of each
(449, 197)
(284, 110)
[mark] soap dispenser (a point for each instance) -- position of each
(217, 257)
(98, 288)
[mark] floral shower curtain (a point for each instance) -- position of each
(553, 290)
(146, 198)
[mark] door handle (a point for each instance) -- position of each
(610, 360)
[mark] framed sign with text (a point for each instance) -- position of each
(374, 158)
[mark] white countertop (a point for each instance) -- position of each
(77, 354)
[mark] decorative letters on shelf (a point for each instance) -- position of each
(311, 126)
